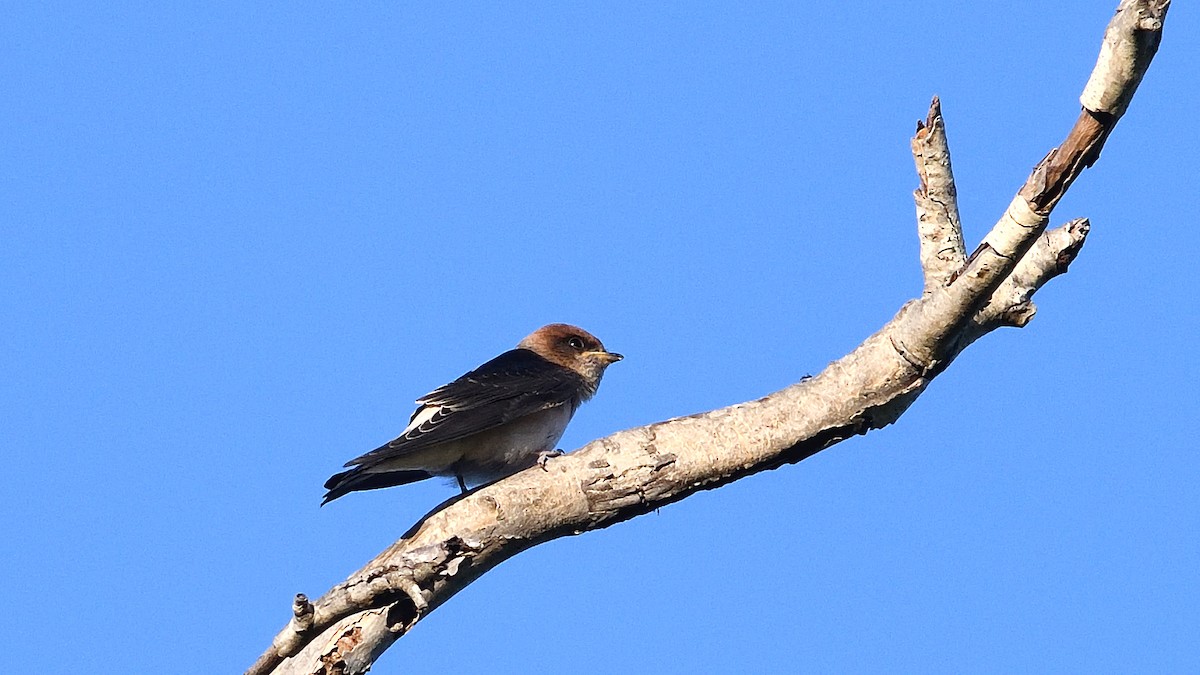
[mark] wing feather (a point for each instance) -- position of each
(510, 386)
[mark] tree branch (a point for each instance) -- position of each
(638, 470)
(938, 226)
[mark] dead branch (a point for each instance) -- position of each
(638, 470)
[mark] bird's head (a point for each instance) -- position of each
(572, 347)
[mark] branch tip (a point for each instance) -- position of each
(935, 111)
(934, 114)
(302, 614)
(1130, 42)
(938, 226)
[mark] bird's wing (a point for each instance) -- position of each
(512, 385)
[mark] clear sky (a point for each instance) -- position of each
(237, 240)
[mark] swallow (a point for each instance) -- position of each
(500, 418)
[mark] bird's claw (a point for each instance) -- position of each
(545, 456)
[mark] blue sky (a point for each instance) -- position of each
(237, 241)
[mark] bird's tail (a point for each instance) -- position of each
(360, 478)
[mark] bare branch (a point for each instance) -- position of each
(938, 226)
(1130, 42)
(635, 471)
(1049, 257)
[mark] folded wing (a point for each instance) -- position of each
(510, 386)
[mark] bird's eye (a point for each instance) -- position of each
(575, 343)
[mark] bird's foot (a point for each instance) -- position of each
(545, 456)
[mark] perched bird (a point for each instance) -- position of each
(504, 416)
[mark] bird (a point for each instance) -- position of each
(502, 417)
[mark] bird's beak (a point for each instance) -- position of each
(606, 357)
